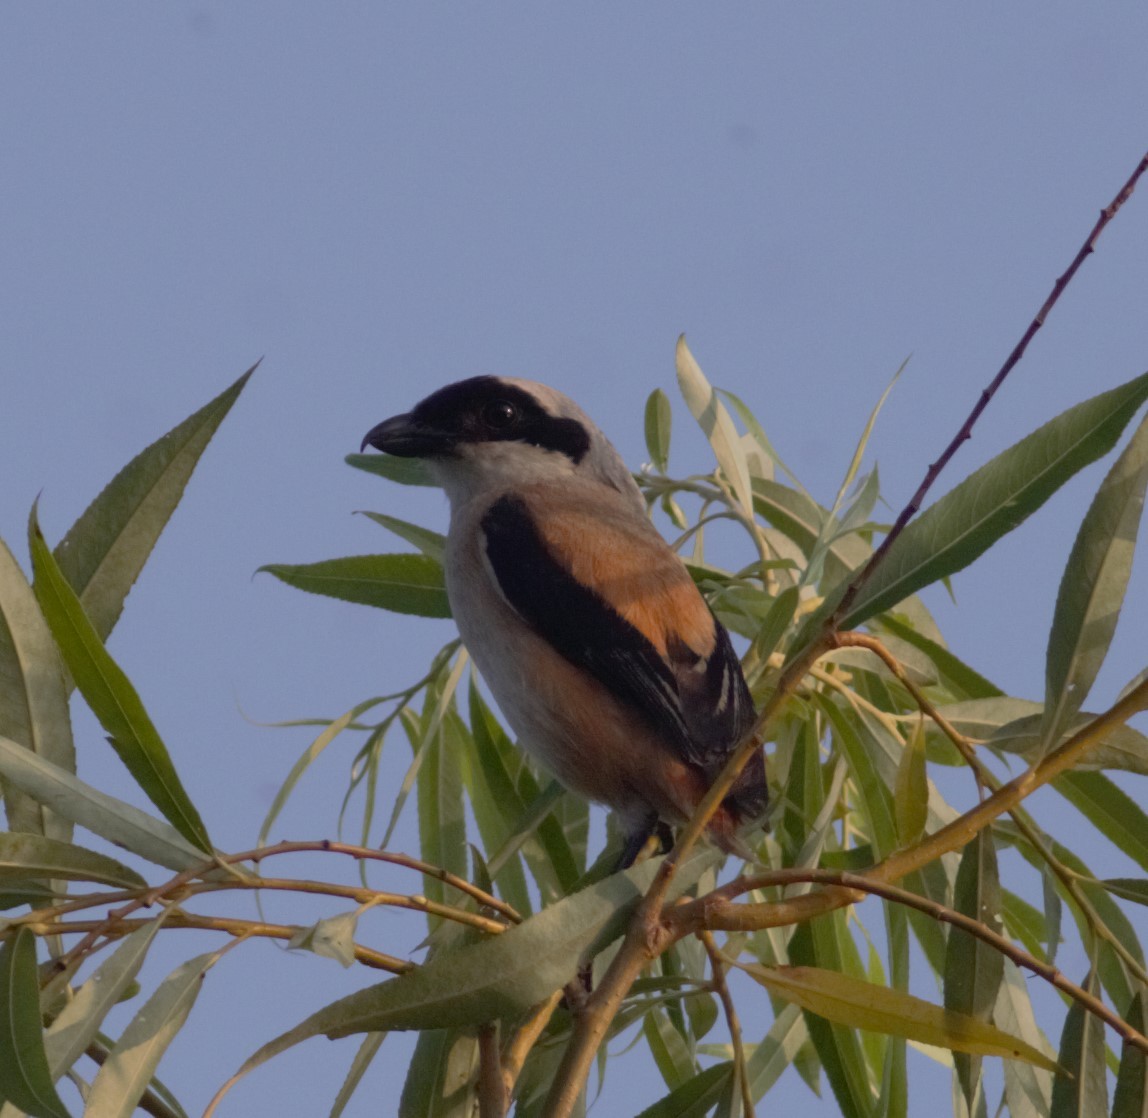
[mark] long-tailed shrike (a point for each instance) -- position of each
(594, 640)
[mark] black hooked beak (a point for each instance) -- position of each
(404, 436)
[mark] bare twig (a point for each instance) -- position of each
(721, 988)
(646, 934)
(966, 429)
(244, 928)
(492, 1094)
(706, 913)
(524, 1038)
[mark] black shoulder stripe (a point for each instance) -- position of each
(580, 624)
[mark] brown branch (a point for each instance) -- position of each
(366, 853)
(524, 1039)
(492, 1094)
(966, 430)
(643, 935)
(986, 778)
(721, 988)
(240, 928)
(706, 913)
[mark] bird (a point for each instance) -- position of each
(595, 642)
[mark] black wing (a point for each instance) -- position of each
(699, 704)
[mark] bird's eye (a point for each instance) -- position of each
(499, 414)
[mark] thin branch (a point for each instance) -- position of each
(966, 430)
(242, 928)
(643, 935)
(366, 853)
(492, 1094)
(524, 1039)
(721, 988)
(706, 913)
(985, 777)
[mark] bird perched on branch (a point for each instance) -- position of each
(589, 631)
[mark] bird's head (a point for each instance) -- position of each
(492, 433)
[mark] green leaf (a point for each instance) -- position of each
(1130, 888)
(1080, 1088)
(1110, 810)
(777, 1050)
(694, 1098)
(130, 1065)
(103, 553)
(964, 682)
(111, 696)
(442, 820)
(911, 796)
(864, 1005)
(993, 500)
(33, 698)
(78, 1023)
(372, 1042)
(1131, 1097)
(400, 583)
(716, 423)
(974, 970)
(1093, 586)
(431, 544)
(659, 418)
(118, 822)
(24, 1077)
(824, 946)
(406, 471)
(1123, 747)
(1028, 1089)
(333, 937)
(441, 1077)
(670, 1050)
(24, 856)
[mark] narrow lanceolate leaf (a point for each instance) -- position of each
(120, 823)
(406, 471)
(715, 421)
(105, 550)
(1130, 888)
(372, 1042)
(974, 970)
(1110, 810)
(911, 796)
(864, 1005)
(432, 544)
(132, 1062)
(1131, 1097)
(1080, 1089)
(24, 856)
(25, 1081)
(400, 583)
(111, 696)
(1093, 585)
(78, 1023)
(696, 1097)
(33, 699)
(1028, 1089)
(440, 1081)
(993, 500)
(659, 418)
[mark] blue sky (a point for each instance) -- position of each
(378, 199)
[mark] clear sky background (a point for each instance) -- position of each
(380, 198)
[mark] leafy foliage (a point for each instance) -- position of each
(517, 903)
